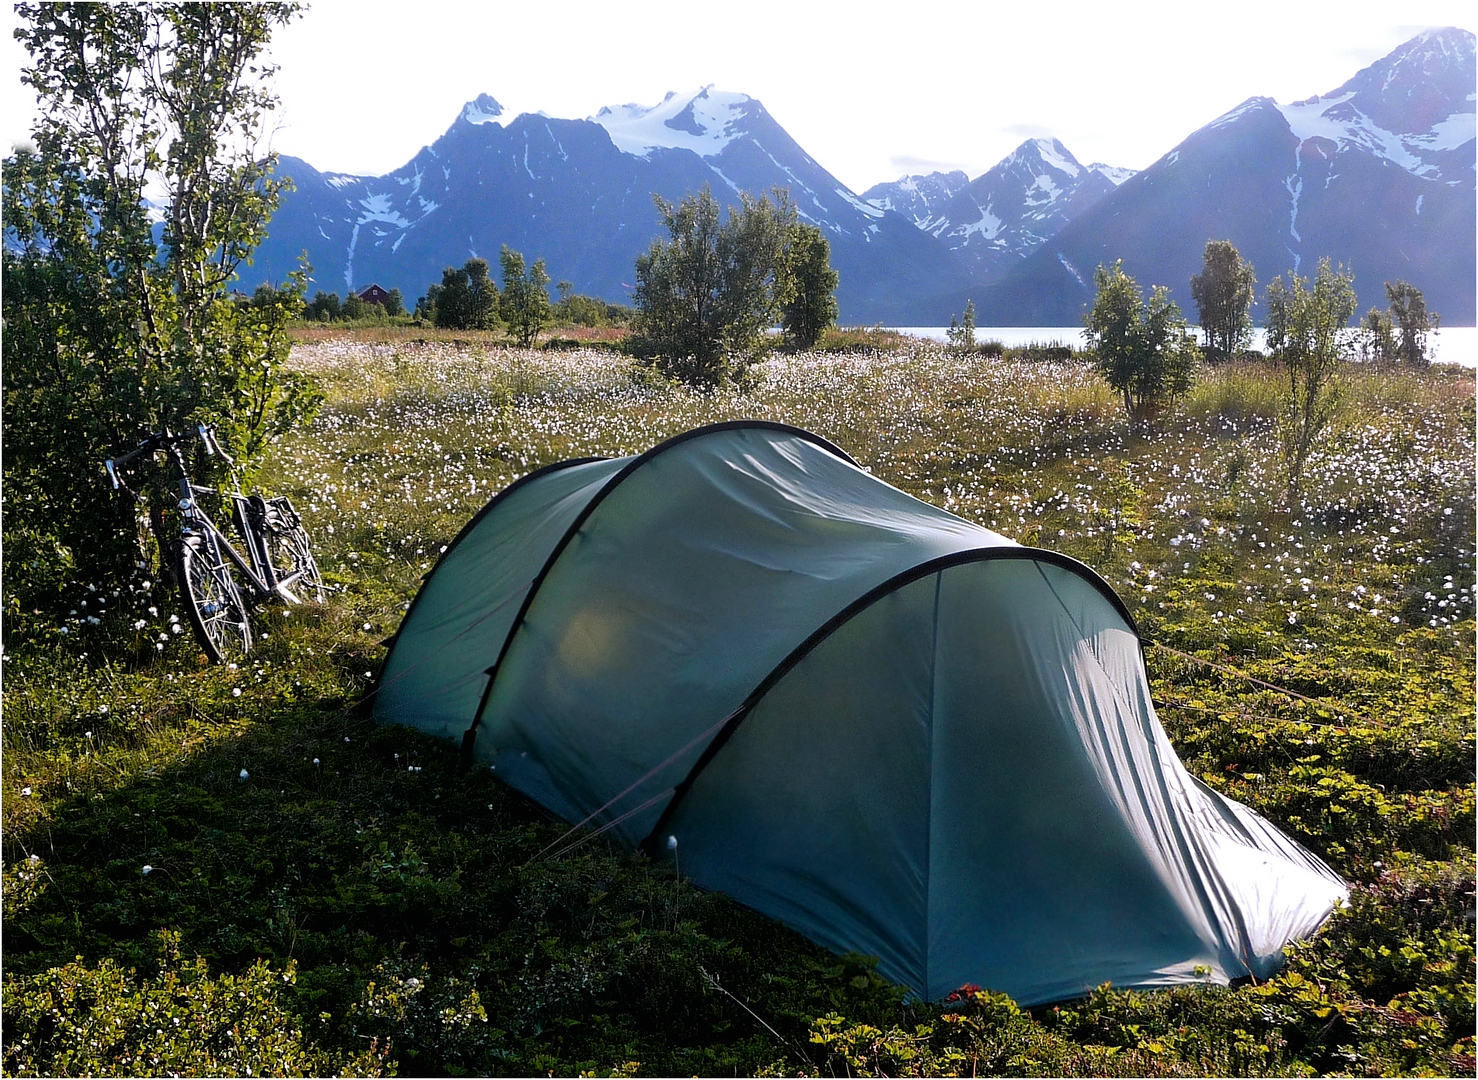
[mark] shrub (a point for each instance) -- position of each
(104, 1021)
(705, 296)
(1141, 348)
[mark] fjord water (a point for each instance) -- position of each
(1451, 344)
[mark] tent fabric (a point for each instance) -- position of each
(896, 731)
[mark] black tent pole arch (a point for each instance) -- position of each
(462, 533)
(652, 843)
(469, 737)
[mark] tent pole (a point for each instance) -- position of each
(469, 737)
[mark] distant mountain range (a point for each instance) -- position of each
(578, 193)
(1003, 215)
(1379, 175)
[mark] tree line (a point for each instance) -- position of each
(705, 298)
(1146, 352)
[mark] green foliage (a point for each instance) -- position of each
(324, 307)
(1375, 342)
(394, 303)
(575, 309)
(705, 296)
(104, 1021)
(1223, 295)
(466, 299)
(1412, 322)
(807, 287)
(110, 335)
(1141, 348)
(525, 303)
(1307, 336)
(862, 340)
(961, 332)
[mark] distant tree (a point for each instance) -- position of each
(961, 332)
(565, 288)
(324, 307)
(525, 303)
(1375, 342)
(394, 303)
(1223, 294)
(807, 286)
(354, 307)
(1143, 349)
(1307, 333)
(705, 296)
(466, 299)
(1411, 322)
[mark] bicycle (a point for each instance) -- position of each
(278, 561)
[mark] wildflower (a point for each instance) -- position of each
(243, 775)
(102, 710)
(969, 990)
(25, 792)
(147, 870)
(236, 691)
(672, 843)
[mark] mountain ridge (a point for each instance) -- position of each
(1377, 174)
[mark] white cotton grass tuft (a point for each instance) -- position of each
(672, 843)
(243, 775)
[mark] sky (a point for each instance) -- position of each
(871, 92)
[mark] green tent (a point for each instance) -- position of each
(898, 732)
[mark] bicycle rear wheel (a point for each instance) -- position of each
(290, 551)
(213, 603)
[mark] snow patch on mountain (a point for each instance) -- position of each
(704, 121)
(483, 109)
(1114, 174)
(378, 208)
(1055, 154)
(1342, 123)
(1449, 134)
(989, 226)
(866, 208)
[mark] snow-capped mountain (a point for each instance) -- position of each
(918, 197)
(578, 193)
(1004, 214)
(1378, 175)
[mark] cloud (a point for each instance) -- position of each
(910, 164)
(1026, 131)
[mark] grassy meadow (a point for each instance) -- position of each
(211, 869)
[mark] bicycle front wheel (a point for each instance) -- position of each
(213, 604)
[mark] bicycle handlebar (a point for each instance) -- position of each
(159, 439)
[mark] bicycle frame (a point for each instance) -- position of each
(256, 566)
